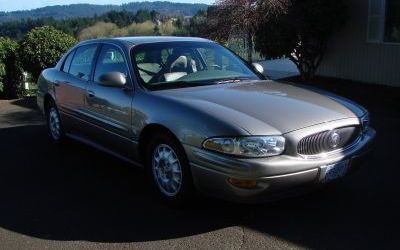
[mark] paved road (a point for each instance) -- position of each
(75, 197)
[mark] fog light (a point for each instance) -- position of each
(243, 183)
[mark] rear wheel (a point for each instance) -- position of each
(54, 127)
(169, 169)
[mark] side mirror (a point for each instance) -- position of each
(113, 79)
(258, 67)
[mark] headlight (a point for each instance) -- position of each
(365, 122)
(252, 146)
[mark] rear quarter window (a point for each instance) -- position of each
(67, 62)
(82, 62)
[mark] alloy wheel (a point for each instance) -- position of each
(167, 170)
(54, 124)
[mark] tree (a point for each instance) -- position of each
(120, 18)
(242, 17)
(42, 47)
(10, 70)
(197, 25)
(143, 16)
(155, 16)
(302, 33)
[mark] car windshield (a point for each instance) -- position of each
(188, 64)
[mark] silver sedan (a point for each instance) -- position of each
(199, 118)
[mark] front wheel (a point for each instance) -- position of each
(54, 126)
(170, 170)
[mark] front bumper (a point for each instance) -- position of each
(276, 176)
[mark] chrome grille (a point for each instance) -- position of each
(328, 141)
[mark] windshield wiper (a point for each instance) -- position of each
(232, 80)
(177, 84)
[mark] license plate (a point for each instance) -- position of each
(336, 170)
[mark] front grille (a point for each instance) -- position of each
(328, 141)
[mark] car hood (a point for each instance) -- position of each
(261, 107)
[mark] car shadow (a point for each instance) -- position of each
(20, 112)
(26, 102)
(73, 192)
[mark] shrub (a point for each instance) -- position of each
(141, 29)
(167, 28)
(42, 47)
(101, 29)
(10, 70)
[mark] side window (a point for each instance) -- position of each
(67, 62)
(82, 63)
(165, 53)
(140, 58)
(110, 59)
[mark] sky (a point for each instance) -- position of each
(11, 5)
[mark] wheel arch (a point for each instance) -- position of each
(148, 132)
(48, 98)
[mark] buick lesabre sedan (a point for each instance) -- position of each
(199, 118)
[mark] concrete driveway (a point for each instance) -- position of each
(74, 197)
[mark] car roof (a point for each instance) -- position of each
(137, 40)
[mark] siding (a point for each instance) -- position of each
(350, 56)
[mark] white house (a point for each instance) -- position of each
(367, 49)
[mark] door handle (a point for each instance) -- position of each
(90, 94)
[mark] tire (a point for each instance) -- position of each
(54, 126)
(169, 169)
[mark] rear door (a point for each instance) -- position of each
(109, 108)
(71, 89)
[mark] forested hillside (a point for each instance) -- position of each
(61, 12)
(113, 23)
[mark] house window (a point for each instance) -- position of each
(376, 16)
(384, 21)
(392, 21)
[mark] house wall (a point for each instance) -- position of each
(350, 56)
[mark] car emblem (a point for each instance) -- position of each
(334, 139)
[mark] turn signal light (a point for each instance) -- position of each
(248, 184)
